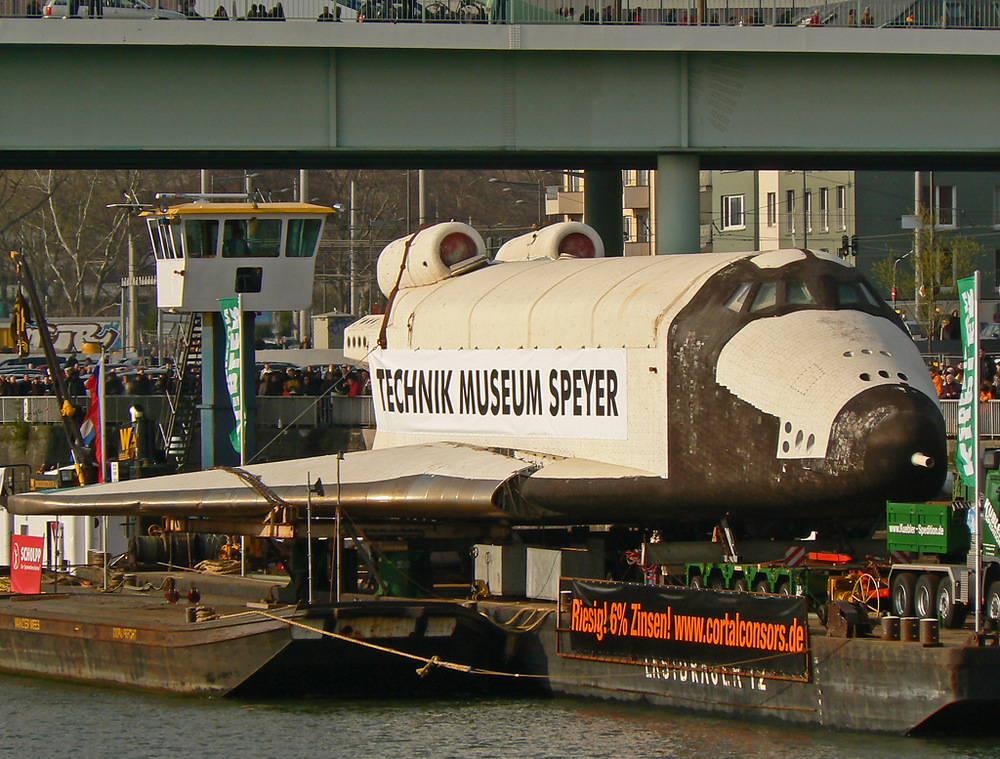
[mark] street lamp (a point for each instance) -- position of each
(512, 185)
(895, 265)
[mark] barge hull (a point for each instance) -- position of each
(860, 684)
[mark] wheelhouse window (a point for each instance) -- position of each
(201, 237)
(733, 212)
(302, 237)
(251, 238)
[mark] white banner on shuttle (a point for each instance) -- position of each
(511, 393)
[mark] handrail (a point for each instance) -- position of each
(968, 14)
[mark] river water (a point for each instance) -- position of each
(41, 718)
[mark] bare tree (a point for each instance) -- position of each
(76, 241)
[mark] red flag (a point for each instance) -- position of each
(92, 423)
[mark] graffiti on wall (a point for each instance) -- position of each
(74, 335)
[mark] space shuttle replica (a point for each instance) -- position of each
(554, 385)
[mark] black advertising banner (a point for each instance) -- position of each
(738, 631)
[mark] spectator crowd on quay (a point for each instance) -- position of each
(948, 379)
(346, 380)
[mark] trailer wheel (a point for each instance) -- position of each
(717, 582)
(901, 594)
(784, 588)
(740, 584)
(925, 595)
(762, 586)
(949, 613)
(697, 582)
(993, 601)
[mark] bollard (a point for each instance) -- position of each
(909, 629)
(890, 627)
(191, 614)
(929, 632)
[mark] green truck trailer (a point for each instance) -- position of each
(937, 580)
(941, 582)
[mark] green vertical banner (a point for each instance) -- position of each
(233, 320)
(967, 451)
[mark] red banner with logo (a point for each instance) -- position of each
(26, 553)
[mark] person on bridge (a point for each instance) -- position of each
(866, 17)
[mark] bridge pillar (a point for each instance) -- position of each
(217, 419)
(602, 208)
(678, 205)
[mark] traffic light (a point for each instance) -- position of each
(854, 244)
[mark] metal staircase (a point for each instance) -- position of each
(183, 398)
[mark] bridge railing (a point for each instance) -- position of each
(951, 14)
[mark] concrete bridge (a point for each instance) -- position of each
(206, 94)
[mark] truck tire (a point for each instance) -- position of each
(697, 582)
(949, 613)
(925, 596)
(717, 582)
(740, 584)
(784, 588)
(762, 586)
(993, 601)
(901, 594)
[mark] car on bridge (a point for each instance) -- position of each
(110, 9)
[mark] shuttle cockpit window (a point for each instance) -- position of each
(302, 237)
(798, 294)
(739, 298)
(847, 295)
(201, 237)
(766, 297)
(251, 238)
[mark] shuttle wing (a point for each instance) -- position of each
(431, 481)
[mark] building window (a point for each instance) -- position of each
(945, 204)
(642, 227)
(841, 207)
(824, 209)
(642, 177)
(790, 209)
(772, 209)
(627, 227)
(808, 197)
(732, 212)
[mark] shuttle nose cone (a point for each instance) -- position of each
(900, 438)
